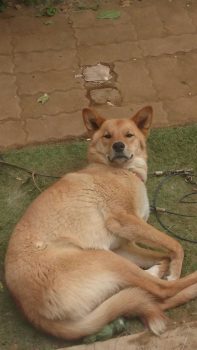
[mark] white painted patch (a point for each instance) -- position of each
(143, 203)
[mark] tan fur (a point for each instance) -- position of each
(74, 262)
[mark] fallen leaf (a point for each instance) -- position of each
(87, 5)
(47, 23)
(51, 11)
(109, 14)
(19, 178)
(43, 99)
(1, 287)
(18, 7)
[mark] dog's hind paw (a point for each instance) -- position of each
(157, 325)
(160, 269)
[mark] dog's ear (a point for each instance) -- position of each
(143, 119)
(92, 120)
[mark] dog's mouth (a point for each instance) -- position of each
(120, 157)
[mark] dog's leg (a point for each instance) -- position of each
(160, 269)
(155, 263)
(142, 257)
(119, 298)
(157, 267)
(134, 229)
(180, 298)
(128, 274)
(128, 302)
(103, 281)
(135, 276)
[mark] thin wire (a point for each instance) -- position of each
(32, 173)
(187, 195)
(156, 212)
(167, 174)
(165, 211)
(35, 183)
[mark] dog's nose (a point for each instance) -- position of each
(118, 146)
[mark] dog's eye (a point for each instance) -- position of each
(129, 134)
(107, 136)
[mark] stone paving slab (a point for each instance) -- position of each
(9, 101)
(89, 20)
(98, 36)
(160, 114)
(6, 64)
(152, 27)
(72, 99)
(43, 43)
(53, 128)
(124, 51)
(181, 110)
(168, 77)
(175, 18)
(45, 61)
(12, 134)
(135, 82)
(52, 80)
(169, 45)
(151, 50)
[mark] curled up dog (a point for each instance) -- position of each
(74, 262)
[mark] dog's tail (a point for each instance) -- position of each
(130, 301)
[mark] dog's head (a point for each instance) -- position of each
(118, 142)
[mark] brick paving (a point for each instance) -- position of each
(151, 50)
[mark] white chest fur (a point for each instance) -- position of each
(143, 203)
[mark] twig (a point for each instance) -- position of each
(27, 170)
(34, 181)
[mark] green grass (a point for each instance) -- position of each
(168, 149)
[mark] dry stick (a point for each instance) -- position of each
(32, 173)
(27, 170)
(34, 181)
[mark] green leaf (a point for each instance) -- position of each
(109, 14)
(107, 332)
(51, 11)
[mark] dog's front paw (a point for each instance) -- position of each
(171, 277)
(113, 225)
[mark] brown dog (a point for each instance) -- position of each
(69, 261)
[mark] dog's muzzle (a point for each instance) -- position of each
(120, 157)
(119, 152)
